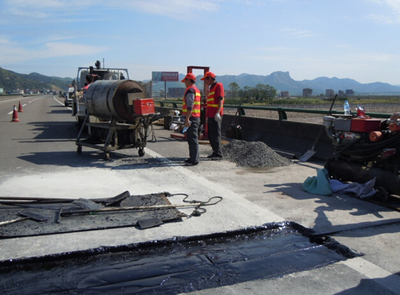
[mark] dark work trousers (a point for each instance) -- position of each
(214, 136)
(193, 139)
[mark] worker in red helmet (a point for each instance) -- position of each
(215, 110)
(191, 113)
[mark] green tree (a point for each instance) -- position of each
(264, 92)
(233, 89)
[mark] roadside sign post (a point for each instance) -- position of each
(165, 77)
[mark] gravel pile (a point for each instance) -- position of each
(253, 154)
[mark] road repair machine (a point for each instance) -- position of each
(114, 110)
(365, 148)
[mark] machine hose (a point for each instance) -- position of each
(365, 152)
(198, 210)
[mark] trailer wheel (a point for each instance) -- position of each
(382, 194)
(141, 152)
(79, 149)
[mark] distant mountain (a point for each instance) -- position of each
(10, 81)
(282, 81)
(343, 84)
(56, 81)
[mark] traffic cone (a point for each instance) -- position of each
(15, 115)
(20, 108)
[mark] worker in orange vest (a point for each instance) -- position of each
(191, 113)
(215, 111)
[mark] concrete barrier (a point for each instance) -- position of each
(287, 136)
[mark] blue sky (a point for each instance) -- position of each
(357, 39)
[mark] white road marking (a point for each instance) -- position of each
(61, 103)
(374, 272)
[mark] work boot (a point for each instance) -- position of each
(216, 157)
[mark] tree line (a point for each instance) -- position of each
(258, 93)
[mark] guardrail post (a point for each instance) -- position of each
(282, 114)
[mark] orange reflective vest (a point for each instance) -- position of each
(196, 103)
(216, 91)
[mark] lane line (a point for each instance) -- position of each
(374, 272)
(61, 103)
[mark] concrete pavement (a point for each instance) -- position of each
(251, 197)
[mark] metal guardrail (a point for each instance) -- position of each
(163, 103)
(281, 111)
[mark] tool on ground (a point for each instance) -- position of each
(308, 154)
(190, 203)
(25, 216)
(26, 200)
(149, 222)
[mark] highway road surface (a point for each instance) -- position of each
(39, 160)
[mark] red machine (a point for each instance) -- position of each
(365, 148)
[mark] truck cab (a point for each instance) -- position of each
(93, 74)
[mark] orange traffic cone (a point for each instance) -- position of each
(20, 108)
(15, 115)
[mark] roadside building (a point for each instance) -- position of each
(349, 92)
(329, 92)
(285, 94)
(307, 92)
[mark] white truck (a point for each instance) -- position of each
(69, 95)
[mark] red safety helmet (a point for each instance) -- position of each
(190, 76)
(208, 74)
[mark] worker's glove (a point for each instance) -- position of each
(217, 117)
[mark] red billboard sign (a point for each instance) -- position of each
(169, 76)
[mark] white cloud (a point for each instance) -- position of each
(391, 16)
(277, 49)
(55, 49)
(12, 53)
(298, 33)
(4, 41)
(178, 9)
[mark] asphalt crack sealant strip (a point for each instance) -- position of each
(180, 264)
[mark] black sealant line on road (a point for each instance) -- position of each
(321, 239)
(176, 265)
